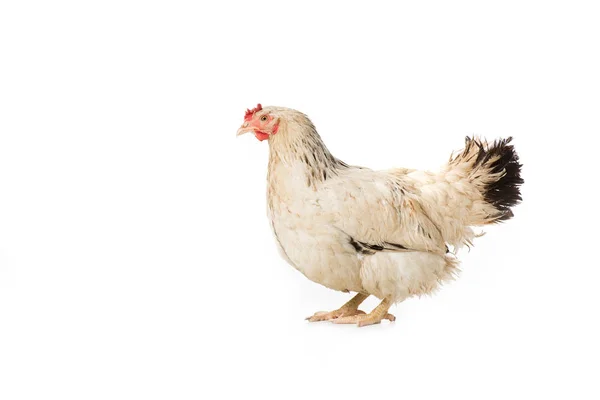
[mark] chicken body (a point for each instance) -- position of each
(381, 233)
(317, 231)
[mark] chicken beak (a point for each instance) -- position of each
(245, 128)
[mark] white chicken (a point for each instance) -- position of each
(380, 233)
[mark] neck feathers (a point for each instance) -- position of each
(298, 141)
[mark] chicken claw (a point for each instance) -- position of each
(333, 315)
(363, 319)
(347, 310)
(374, 317)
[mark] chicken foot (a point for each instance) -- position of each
(374, 317)
(347, 310)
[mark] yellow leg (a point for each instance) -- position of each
(348, 309)
(374, 317)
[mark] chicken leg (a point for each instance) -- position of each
(347, 310)
(374, 317)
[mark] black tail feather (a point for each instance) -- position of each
(503, 193)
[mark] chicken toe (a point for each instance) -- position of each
(347, 310)
(374, 317)
(363, 319)
(332, 315)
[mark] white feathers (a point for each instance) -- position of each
(377, 232)
(401, 275)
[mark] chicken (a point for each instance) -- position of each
(381, 233)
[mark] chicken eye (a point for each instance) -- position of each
(263, 118)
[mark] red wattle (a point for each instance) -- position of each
(261, 135)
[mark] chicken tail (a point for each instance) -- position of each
(495, 171)
(478, 186)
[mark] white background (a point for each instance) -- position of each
(136, 260)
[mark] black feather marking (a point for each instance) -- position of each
(360, 247)
(366, 248)
(355, 244)
(505, 192)
(397, 246)
(498, 158)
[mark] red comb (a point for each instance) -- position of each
(250, 113)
